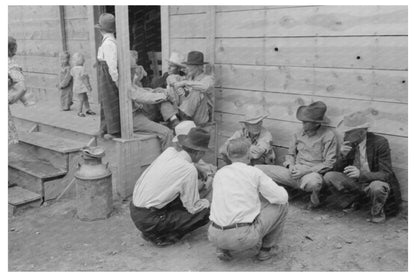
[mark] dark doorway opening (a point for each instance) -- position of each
(145, 38)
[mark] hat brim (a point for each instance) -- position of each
(177, 64)
(98, 26)
(183, 140)
(341, 128)
(254, 121)
(195, 63)
(301, 117)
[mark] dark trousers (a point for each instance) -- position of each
(376, 191)
(109, 101)
(171, 222)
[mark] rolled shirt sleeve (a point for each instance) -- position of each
(202, 85)
(189, 193)
(274, 193)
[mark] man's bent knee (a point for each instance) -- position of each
(312, 182)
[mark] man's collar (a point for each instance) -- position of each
(317, 131)
(108, 35)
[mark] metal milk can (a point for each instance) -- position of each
(94, 191)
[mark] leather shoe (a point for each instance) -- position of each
(223, 254)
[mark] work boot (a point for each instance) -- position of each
(223, 254)
(264, 254)
(379, 218)
(314, 203)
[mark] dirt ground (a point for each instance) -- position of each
(51, 238)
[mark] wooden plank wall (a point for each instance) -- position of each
(350, 57)
(37, 31)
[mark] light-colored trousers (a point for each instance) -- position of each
(142, 124)
(281, 175)
(266, 230)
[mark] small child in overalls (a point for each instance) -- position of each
(81, 84)
(65, 82)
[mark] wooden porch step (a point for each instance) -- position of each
(29, 164)
(51, 142)
(20, 197)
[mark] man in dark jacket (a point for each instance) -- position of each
(364, 168)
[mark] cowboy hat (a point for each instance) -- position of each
(176, 59)
(356, 120)
(315, 112)
(254, 114)
(197, 139)
(183, 128)
(106, 22)
(195, 58)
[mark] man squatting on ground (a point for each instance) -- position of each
(261, 139)
(363, 170)
(166, 203)
(312, 152)
(248, 209)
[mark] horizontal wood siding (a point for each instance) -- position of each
(351, 57)
(38, 34)
(37, 31)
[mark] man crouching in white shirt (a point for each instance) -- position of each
(166, 203)
(248, 209)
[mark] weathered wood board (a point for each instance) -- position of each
(388, 118)
(314, 21)
(47, 81)
(186, 45)
(38, 64)
(75, 12)
(77, 29)
(35, 47)
(377, 85)
(188, 26)
(339, 52)
(42, 29)
(177, 10)
(32, 13)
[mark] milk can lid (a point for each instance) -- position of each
(94, 151)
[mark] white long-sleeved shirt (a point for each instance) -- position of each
(236, 189)
(108, 52)
(170, 175)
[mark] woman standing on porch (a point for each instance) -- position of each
(108, 78)
(17, 87)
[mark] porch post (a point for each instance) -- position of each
(123, 54)
(128, 147)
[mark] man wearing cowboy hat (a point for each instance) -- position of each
(166, 203)
(311, 153)
(260, 138)
(364, 169)
(196, 91)
(248, 209)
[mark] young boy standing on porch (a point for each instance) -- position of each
(108, 78)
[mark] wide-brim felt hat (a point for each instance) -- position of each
(315, 112)
(195, 58)
(254, 114)
(197, 139)
(176, 59)
(106, 22)
(356, 120)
